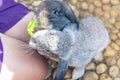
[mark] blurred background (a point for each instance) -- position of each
(107, 67)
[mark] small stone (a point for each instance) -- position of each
(68, 74)
(90, 1)
(109, 26)
(101, 68)
(115, 46)
(118, 62)
(103, 19)
(110, 61)
(105, 1)
(109, 52)
(118, 18)
(114, 30)
(90, 66)
(36, 3)
(118, 34)
(91, 8)
(100, 58)
(112, 20)
(117, 25)
(117, 42)
(75, 10)
(84, 6)
(52, 63)
(106, 15)
(106, 7)
(119, 53)
(117, 79)
(97, 11)
(114, 71)
(105, 77)
(83, 14)
(74, 2)
(78, 6)
(90, 76)
(81, 0)
(54, 73)
(29, 2)
(97, 3)
(113, 36)
(114, 2)
(113, 13)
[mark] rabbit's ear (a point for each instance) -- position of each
(69, 13)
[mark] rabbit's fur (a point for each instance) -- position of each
(77, 46)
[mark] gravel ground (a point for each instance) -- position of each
(107, 67)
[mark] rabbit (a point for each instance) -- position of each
(53, 14)
(76, 47)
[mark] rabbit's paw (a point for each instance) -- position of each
(78, 72)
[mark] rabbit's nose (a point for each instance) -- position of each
(32, 43)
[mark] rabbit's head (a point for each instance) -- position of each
(55, 14)
(52, 41)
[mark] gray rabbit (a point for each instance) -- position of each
(68, 41)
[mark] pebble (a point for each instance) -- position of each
(36, 3)
(113, 13)
(101, 68)
(118, 34)
(119, 53)
(109, 26)
(112, 20)
(29, 2)
(118, 18)
(114, 2)
(78, 6)
(105, 1)
(117, 25)
(109, 52)
(118, 62)
(97, 3)
(100, 59)
(115, 46)
(113, 71)
(90, 66)
(113, 36)
(117, 79)
(54, 73)
(90, 1)
(52, 63)
(84, 6)
(105, 77)
(117, 42)
(110, 60)
(83, 14)
(90, 76)
(91, 8)
(106, 7)
(98, 12)
(74, 2)
(106, 15)
(114, 30)
(68, 74)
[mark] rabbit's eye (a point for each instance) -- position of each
(57, 12)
